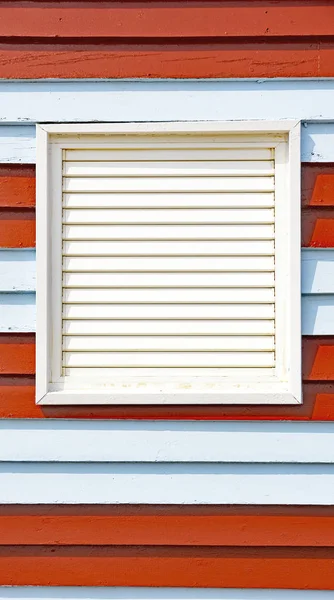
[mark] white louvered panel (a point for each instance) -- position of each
(168, 259)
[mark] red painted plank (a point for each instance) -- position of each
(167, 526)
(17, 354)
(318, 227)
(156, 60)
(17, 186)
(281, 568)
(17, 228)
(318, 185)
(160, 19)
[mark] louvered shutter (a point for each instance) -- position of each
(168, 259)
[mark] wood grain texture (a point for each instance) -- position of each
(174, 60)
(280, 568)
(17, 186)
(167, 526)
(159, 19)
(17, 228)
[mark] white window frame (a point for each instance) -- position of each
(287, 389)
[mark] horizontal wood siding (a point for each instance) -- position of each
(143, 39)
(222, 547)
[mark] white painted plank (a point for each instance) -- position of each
(183, 167)
(195, 483)
(169, 342)
(100, 264)
(168, 184)
(178, 216)
(179, 248)
(166, 154)
(169, 311)
(17, 143)
(18, 313)
(149, 593)
(166, 200)
(177, 359)
(170, 327)
(165, 441)
(84, 101)
(179, 295)
(165, 279)
(17, 271)
(168, 232)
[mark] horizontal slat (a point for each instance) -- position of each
(177, 216)
(17, 271)
(18, 313)
(168, 359)
(17, 185)
(71, 101)
(145, 441)
(170, 327)
(169, 184)
(161, 21)
(228, 168)
(166, 232)
(317, 271)
(211, 295)
(147, 593)
(180, 248)
(169, 263)
(165, 280)
(186, 153)
(17, 228)
(173, 567)
(169, 311)
(18, 144)
(318, 314)
(167, 343)
(195, 484)
(168, 200)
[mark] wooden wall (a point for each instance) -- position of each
(166, 39)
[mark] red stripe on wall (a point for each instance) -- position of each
(318, 185)
(222, 567)
(158, 19)
(167, 526)
(17, 394)
(228, 59)
(17, 228)
(17, 189)
(17, 186)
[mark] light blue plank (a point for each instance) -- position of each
(151, 593)
(17, 144)
(17, 270)
(66, 101)
(17, 312)
(317, 142)
(317, 271)
(117, 483)
(165, 442)
(318, 315)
